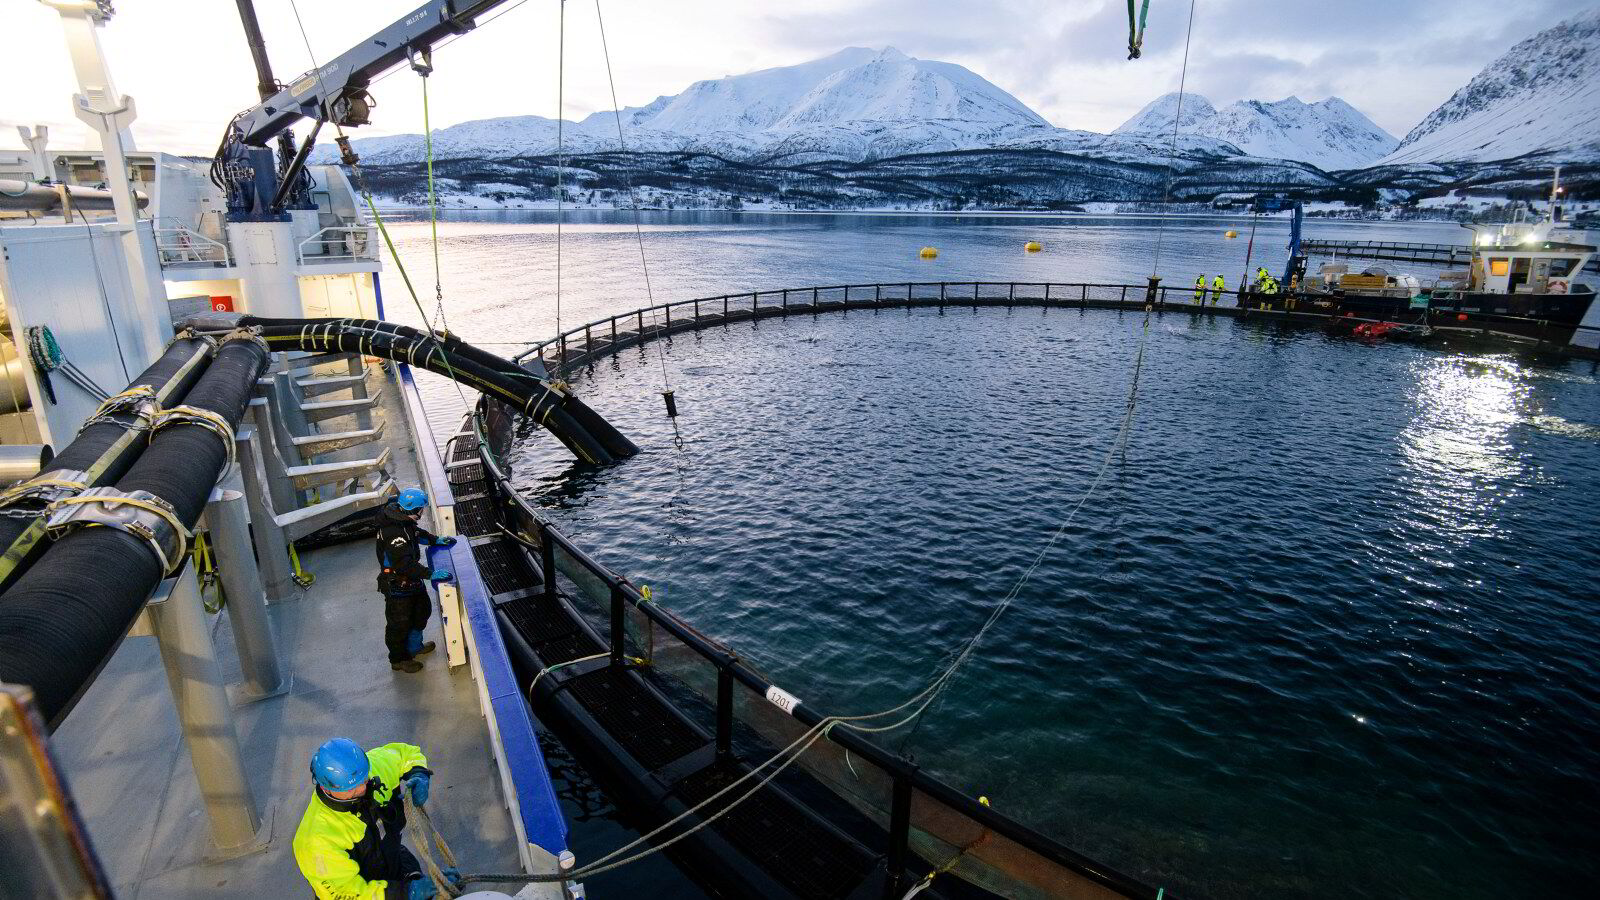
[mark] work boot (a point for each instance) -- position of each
(427, 647)
(406, 665)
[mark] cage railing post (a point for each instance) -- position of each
(785, 300)
(724, 713)
(588, 342)
(547, 561)
(641, 326)
(724, 307)
(899, 837)
(618, 633)
(613, 333)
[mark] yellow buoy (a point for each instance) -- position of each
(1230, 234)
(1032, 247)
(928, 252)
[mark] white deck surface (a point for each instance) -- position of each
(129, 770)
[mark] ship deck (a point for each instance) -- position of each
(130, 772)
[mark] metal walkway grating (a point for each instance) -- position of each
(464, 474)
(634, 716)
(464, 448)
(796, 849)
(502, 567)
(476, 517)
(551, 634)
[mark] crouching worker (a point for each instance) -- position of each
(406, 605)
(348, 843)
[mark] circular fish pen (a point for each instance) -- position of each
(1250, 644)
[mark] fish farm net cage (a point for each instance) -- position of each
(846, 819)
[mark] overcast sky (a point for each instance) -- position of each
(186, 65)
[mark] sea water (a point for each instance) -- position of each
(1324, 623)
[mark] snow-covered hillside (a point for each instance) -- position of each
(856, 105)
(1543, 96)
(1330, 134)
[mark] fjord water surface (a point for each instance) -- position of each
(1326, 626)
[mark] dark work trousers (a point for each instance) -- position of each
(404, 610)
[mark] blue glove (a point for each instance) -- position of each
(452, 875)
(441, 576)
(417, 784)
(444, 542)
(421, 888)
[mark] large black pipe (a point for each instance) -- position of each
(520, 389)
(65, 616)
(615, 443)
(102, 450)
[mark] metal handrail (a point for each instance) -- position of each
(188, 247)
(341, 237)
(947, 291)
(905, 775)
(633, 326)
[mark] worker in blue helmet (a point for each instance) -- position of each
(348, 843)
(402, 572)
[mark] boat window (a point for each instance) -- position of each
(1563, 266)
(1499, 266)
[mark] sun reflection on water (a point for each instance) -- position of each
(1461, 461)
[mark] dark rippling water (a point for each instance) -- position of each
(1327, 626)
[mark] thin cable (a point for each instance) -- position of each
(433, 210)
(372, 206)
(1166, 194)
(627, 177)
(561, 109)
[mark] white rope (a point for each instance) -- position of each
(1166, 194)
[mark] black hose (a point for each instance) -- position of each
(522, 391)
(67, 613)
(103, 450)
(460, 353)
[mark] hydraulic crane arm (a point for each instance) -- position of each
(330, 90)
(259, 187)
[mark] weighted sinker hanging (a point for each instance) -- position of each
(588, 435)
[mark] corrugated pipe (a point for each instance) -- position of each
(105, 447)
(66, 614)
(583, 431)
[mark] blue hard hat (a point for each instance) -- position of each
(339, 765)
(411, 499)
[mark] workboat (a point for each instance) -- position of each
(206, 405)
(1519, 278)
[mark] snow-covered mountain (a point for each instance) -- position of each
(856, 105)
(1330, 134)
(1542, 96)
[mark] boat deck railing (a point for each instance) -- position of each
(1405, 251)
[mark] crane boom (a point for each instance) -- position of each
(334, 91)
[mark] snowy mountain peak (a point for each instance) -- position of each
(1157, 115)
(893, 87)
(1543, 95)
(1330, 134)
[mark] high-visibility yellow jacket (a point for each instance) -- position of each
(351, 850)
(1200, 287)
(1219, 284)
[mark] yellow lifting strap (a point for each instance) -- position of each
(301, 576)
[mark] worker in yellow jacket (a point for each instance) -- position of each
(1200, 289)
(348, 843)
(1218, 288)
